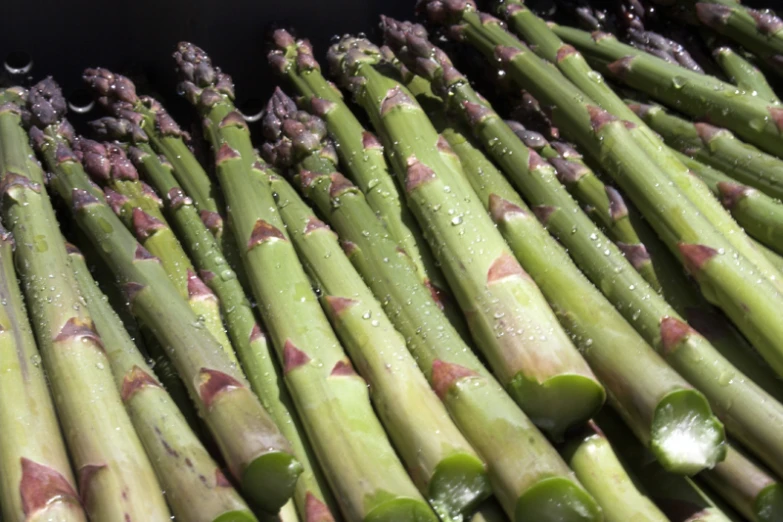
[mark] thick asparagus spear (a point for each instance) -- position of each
(758, 121)
(37, 479)
(256, 453)
(508, 317)
(590, 455)
(718, 148)
(592, 320)
(246, 334)
(138, 206)
(727, 278)
(443, 465)
(360, 151)
(744, 74)
(195, 487)
(572, 65)
(746, 487)
(367, 478)
(759, 214)
(116, 479)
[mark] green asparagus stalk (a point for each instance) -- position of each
(761, 32)
(758, 121)
(759, 214)
(441, 462)
(360, 151)
(138, 206)
(726, 278)
(773, 258)
(116, 480)
(368, 479)
(590, 455)
(460, 380)
(747, 488)
(37, 479)
(572, 65)
(643, 249)
(246, 333)
(256, 453)
(196, 488)
(654, 318)
(489, 511)
(591, 319)
(718, 148)
(680, 499)
(507, 314)
(743, 73)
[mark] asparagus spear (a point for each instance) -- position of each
(256, 453)
(489, 511)
(759, 214)
(727, 278)
(246, 334)
(526, 473)
(37, 478)
(508, 317)
(443, 465)
(743, 73)
(138, 206)
(116, 480)
(368, 480)
(590, 455)
(572, 65)
(655, 319)
(750, 490)
(360, 151)
(196, 488)
(758, 121)
(592, 320)
(718, 148)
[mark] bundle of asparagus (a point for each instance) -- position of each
(475, 320)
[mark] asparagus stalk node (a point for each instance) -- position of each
(256, 453)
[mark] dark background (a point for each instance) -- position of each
(137, 38)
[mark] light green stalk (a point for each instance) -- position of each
(508, 316)
(573, 66)
(360, 464)
(256, 453)
(441, 462)
(116, 480)
(743, 73)
(195, 487)
(717, 148)
(36, 482)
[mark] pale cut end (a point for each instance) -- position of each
(343, 369)
(41, 486)
(502, 210)
(636, 254)
(696, 256)
(316, 510)
(134, 381)
(504, 267)
(417, 174)
(213, 383)
(144, 225)
(445, 375)
(621, 67)
(77, 329)
(293, 357)
(617, 206)
(732, 193)
(264, 232)
(673, 332)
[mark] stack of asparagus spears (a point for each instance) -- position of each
(570, 311)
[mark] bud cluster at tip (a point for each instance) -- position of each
(46, 103)
(444, 11)
(114, 90)
(121, 129)
(292, 133)
(202, 83)
(290, 52)
(103, 162)
(347, 55)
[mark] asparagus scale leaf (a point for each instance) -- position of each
(256, 453)
(508, 316)
(196, 488)
(114, 474)
(358, 460)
